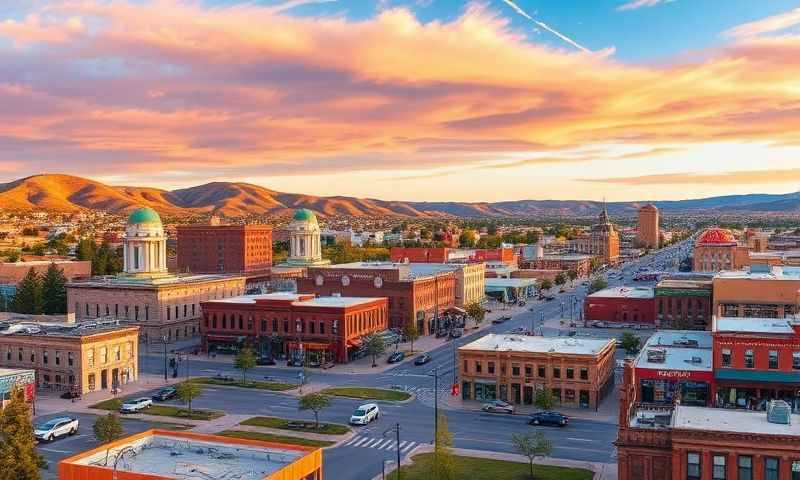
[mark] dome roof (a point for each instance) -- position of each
(716, 236)
(650, 207)
(144, 215)
(304, 215)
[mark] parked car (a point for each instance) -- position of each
(265, 361)
(497, 406)
(135, 404)
(165, 394)
(456, 333)
(56, 427)
(365, 414)
(422, 359)
(549, 418)
(396, 357)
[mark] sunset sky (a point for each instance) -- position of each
(407, 99)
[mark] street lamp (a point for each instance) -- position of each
(435, 376)
(164, 341)
(396, 431)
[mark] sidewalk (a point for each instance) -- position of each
(602, 471)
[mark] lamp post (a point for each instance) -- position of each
(396, 431)
(435, 376)
(164, 341)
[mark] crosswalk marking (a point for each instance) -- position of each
(386, 444)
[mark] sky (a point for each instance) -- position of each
(407, 99)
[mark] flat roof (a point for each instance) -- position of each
(704, 284)
(510, 282)
(753, 325)
(4, 372)
(155, 282)
(188, 458)
(297, 300)
(336, 302)
(727, 420)
(678, 358)
(775, 273)
(535, 344)
(625, 292)
(670, 338)
(79, 329)
(566, 256)
(251, 299)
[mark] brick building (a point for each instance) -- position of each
(578, 262)
(762, 291)
(648, 232)
(470, 279)
(684, 303)
(716, 249)
(420, 254)
(80, 357)
(579, 372)
(237, 249)
(412, 298)
(329, 328)
(13, 273)
(601, 241)
(622, 305)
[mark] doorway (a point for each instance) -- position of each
(103, 379)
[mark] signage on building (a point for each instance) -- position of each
(661, 374)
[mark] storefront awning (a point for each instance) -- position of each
(354, 342)
(310, 346)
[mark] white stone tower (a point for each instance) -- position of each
(145, 245)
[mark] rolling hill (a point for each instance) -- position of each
(66, 193)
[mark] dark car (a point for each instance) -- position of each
(165, 394)
(396, 357)
(549, 418)
(422, 359)
(265, 361)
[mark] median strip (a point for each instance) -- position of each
(367, 393)
(297, 425)
(255, 384)
(267, 437)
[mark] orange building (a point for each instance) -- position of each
(649, 233)
(716, 249)
(161, 454)
(763, 291)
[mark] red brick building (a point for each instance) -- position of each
(11, 273)
(239, 249)
(621, 304)
(580, 263)
(420, 254)
(327, 328)
(421, 299)
(684, 303)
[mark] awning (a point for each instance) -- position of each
(456, 310)
(355, 342)
(310, 346)
(223, 338)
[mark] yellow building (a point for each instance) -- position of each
(80, 358)
(470, 279)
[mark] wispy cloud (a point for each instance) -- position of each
(771, 24)
(290, 4)
(544, 26)
(743, 177)
(637, 4)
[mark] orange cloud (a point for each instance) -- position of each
(748, 177)
(771, 24)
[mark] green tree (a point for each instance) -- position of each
(573, 275)
(544, 398)
(476, 312)
(531, 237)
(12, 256)
(630, 342)
(560, 279)
(85, 250)
(594, 264)
(597, 284)
(443, 466)
(532, 445)
(188, 391)
(466, 239)
(107, 429)
(54, 291)
(18, 456)
(315, 402)
(245, 360)
(375, 346)
(28, 298)
(546, 285)
(411, 333)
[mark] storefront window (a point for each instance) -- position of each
(796, 470)
(569, 396)
(796, 360)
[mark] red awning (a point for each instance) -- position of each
(310, 346)
(354, 342)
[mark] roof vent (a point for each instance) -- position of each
(656, 355)
(778, 411)
(696, 360)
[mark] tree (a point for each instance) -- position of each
(18, 456)
(532, 237)
(107, 429)
(597, 284)
(12, 256)
(476, 312)
(85, 250)
(245, 360)
(411, 333)
(315, 402)
(28, 298)
(561, 279)
(54, 291)
(466, 239)
(443, 465)
(573, 275)
(188, 391)
(546, 285)
(594, 264)
(375, 346)
(532, 445)
(544, 399)
(630, 342)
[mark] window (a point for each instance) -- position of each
(117, 355)
(584, 374)
(466, 366)
(515, 370)
(748, 359)
(103, 355)
(130, 348)
(477, 367)
(490, 367)
(528, 370)
(771, 468)
(720, 471)
(773, 359)
(796, 470)
(556, 372)
(45, 360)
(570, 373)
(745, 467)
(322, 328)
(19, 355)
(8, 354)
(70, 359)
(286, 326)
(726, 357)
(569, 395)
(275, 325)
(693, 466)
(796, 360)
(33, 356)
(263, 325)
(241, 323)
(312, 327)
(58, 358)
(214, 321)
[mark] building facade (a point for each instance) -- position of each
(305, 245)
(716, 249)
(762, 291)
(621, 305)
(79, 358)
(578, 372)
(13, 273)
(237, 249)
(684, 304)
(319, 329)
(601, 241)
(164, 305)
(470, 279)
(13, 378)
(581, 264)
(419, 299)
(648, 231)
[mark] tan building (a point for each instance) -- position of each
(601, 241)
(470, 279)
(163, 304)
(649, 232)
(80, 358)
(763, 291)
(579, 372)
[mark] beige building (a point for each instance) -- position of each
(470, 279)
(162, 304)
(601, 241)
(80, 358)
(648, 232)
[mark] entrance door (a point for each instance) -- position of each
(115, 378)
(104, 379)
(515, 393)
(528, 395)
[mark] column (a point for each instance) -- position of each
(125, 254)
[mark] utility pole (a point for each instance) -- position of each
(435, 406)
(396, 431)
(164, 341)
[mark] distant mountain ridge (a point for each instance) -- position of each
(66, 193)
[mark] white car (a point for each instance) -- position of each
(365, 414)
(56, 427)
(135, 404)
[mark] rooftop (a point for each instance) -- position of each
(753, 325)
(251, 299)
(192, 456)
(300, 299)
(510, 282)
(82, 329)
(168, 280)
(676, 358)
(726, 420)
(567, 256)
(534, 344)
(624, 292)
(681, 283)
(680, 338)
(774, 273)
(336, 302)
